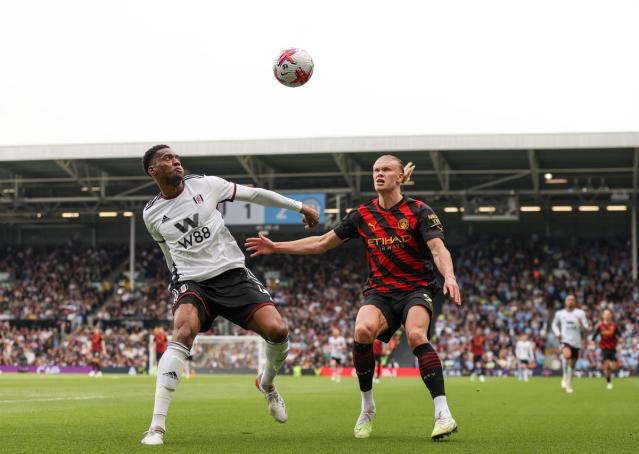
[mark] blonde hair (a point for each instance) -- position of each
(407, 169)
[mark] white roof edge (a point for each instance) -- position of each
(328, 145)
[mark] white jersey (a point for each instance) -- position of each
(190, 229)
(524, 350)
(568, 325)
(338, 346)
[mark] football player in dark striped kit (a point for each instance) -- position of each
(404, 241)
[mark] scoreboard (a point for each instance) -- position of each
(245, 213)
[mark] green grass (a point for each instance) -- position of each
(226, 414)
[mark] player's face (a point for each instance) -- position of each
(571, 302)
(607, 316)
(166, 165)
(387, 174)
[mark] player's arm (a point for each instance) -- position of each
(304, 246)
(273, 199)
(444, 263)
(556, 327)
(346, 230)
(104, 350)
(596, 333)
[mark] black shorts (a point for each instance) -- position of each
(395, 306)
(378, 358)
(524, 361)
(477, 358)
(609, 355)
(574, 352)
(337, 360)
(96, 354)
(235, 295)
(158, 356)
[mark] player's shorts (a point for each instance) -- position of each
(96, 354)
(235, 295)
(158, 356)
(395, 306)
(574, 352)
(524, 361)
(609, 354)
(378, 357)
(477, 358)
(338, 360)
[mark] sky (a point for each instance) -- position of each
(154, 70)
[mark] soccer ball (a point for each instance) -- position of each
(293, 67)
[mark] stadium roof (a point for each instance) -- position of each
(587, 167)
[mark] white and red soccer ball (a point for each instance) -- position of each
(293, 67)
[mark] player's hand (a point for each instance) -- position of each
(311, 216)
(452, 290)
(259, 246)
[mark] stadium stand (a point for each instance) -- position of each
(509, 287)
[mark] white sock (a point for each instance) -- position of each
(569, 376)
(275, 356)
(368, 404)
(440, 405)
(564, 368)
(169, 373)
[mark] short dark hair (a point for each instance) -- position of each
(148, 156)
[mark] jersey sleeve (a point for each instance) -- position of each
(153, 231)
(347, 228)
(597, 332)
(221, 189)
(429, 225)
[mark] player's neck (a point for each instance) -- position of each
(170, 191)
(389, 200)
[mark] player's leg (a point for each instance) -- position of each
(571, 361)
(333, 369)
(378, 370)
(186, 326)
(370, 322)
(430, 368)
(338, 371)
(565, 358)
(268, 323)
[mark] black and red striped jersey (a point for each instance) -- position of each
(395, 241)
(609, 333)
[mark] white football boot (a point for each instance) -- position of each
(153, 436)
(445, 425)
(364, 424)
(609, 385)
(276, 405)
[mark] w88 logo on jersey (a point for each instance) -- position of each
(196, 237)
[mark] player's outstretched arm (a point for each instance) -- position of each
(273, 199)
(555, 327)
(304, 246)
(444, 263)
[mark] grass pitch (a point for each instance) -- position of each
(226, 414)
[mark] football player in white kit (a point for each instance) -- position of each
(567, 326)
(338, 353)
(209, 277)
(525, 354)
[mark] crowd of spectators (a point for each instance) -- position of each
(54, 283)
(508, 287)
(126, 347)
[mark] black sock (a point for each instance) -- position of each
(364, 362)
(608, 378)
(430, 368)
